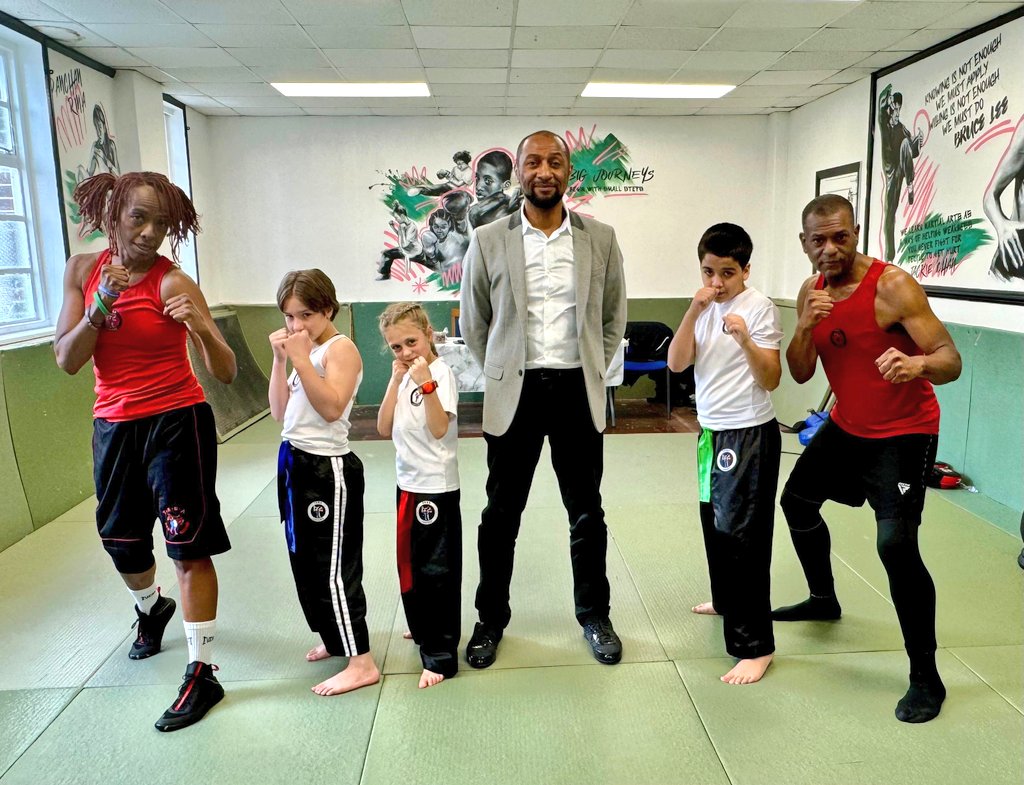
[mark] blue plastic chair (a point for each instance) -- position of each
(648, 366)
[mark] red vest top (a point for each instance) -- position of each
(141, 361)
(849, 341)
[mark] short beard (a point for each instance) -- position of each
(544, 204)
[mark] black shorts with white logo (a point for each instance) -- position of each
(163, 466)
(890, 473)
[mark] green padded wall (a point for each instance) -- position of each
(259, 321)
(955, 399)
(15, 518)
(51, 427)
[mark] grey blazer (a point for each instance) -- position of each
(492, 312)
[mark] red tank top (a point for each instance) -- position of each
(848, 342)
(142, 366)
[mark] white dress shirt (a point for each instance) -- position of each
(552, 339)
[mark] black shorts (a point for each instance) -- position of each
(889, 473)
(165, 467)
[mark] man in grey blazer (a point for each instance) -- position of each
(543, 310)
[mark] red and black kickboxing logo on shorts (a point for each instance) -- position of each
(175, 522)
(837, 338)
(726, 460)
(426, 513)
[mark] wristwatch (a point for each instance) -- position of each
(428, 387)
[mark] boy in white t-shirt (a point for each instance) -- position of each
(419, 412)
(731, 335)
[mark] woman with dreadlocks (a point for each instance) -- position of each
(129, 309)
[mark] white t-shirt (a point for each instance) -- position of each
(423, 463)
(728, 397)
(303, 426)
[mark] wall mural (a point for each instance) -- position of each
(80, 98)
(429, 219)
(948, 167)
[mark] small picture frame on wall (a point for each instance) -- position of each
(841, 180)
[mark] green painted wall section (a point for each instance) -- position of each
(15, 518)
(50, 416)
(259, 321)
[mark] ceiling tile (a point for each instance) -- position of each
(201, 102)
(314, 102)
(458, 12)
(746, 39)
(216, 89)
(973, 15)
(849, 75)
(371, 74)
(198, 75)
(265, 101)
(536, 75)
(386, 111)
(877, 15)
(180, 89)
(922, 39)
(596, 12)
(113, 56)
(761, 91)
(291, 58)
(286, 74)
(636, 58)
(555, 58)
(151, 35)
(685, 38)
(788, 14)
(672, 13)
(881, 59)
(818, 89)
(470, 100)
(351, 37)
(441, 89)
(183, 57)
(464, 58)
(733, 60)
(462, 37)
(834, 39)
(287, 36)
(392, 58)
(562, 37)
(349, 12)
(719, 76)
(222, 111)
(32, 9)
(541, 101)
(327, 111)
(127, 11)
(255, 111)
(573, 90)
(257, 12)
(790, 77)
(462, 111)
(467, 74)
(833, 61)
(523, 111)
(642, 75)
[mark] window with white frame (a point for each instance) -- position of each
(178, 173)
(31, 238)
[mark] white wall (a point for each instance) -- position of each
(295, 192)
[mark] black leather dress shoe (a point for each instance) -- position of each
(603, 641)
(482, 649)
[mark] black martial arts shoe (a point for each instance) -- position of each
(200, 691)
(603, 641)
(482, 649)
(151, 628)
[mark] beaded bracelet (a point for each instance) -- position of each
(100, 304)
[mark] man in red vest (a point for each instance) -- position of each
(882, 349)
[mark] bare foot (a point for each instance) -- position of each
(705, 609)
(429, 678)
(317, 653)
(361, 672)
(748, 671)
(407, 635)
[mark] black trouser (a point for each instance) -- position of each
(429, 550)
(738, 522)
(321, 503)
(553, 404)
(890, 474)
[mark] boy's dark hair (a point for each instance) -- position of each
(726, 240)
(312, 287)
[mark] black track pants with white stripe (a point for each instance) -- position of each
(321, 503)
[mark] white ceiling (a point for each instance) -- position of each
(502, 57)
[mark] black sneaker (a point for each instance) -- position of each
(200, 691)
(151, 628)
(603, 641)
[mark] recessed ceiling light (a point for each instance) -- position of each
(64, 34)
(353, 89)
(639, 90)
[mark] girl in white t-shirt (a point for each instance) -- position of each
(419, 412)
(319, 479)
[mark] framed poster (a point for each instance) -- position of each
(841, 180)
(946, 165)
